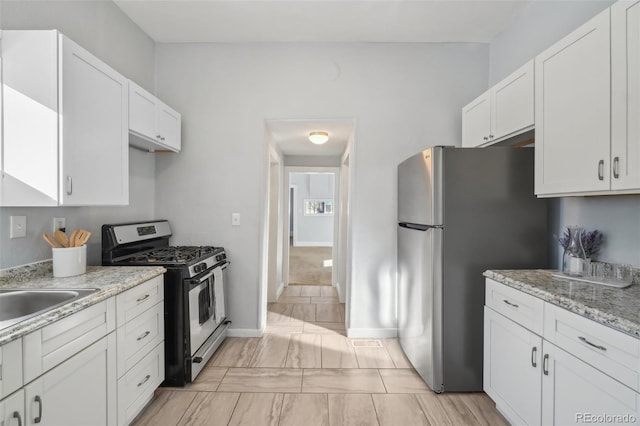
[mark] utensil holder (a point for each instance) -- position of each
(69, 261)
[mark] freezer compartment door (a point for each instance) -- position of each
(420, 301)
(420, 188)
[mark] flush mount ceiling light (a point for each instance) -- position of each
(318, 137)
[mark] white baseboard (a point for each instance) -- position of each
(372, 333)
(312, 244)
(244, 332)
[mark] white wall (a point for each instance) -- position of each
(532, 30)
(312, 230)
(100, 27)
(404, 97)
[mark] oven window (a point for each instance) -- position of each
(204, 305)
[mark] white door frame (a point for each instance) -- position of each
(336, 217)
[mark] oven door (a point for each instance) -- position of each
(202, 313)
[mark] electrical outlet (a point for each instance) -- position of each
(59, 223)
(18, 227)
(235, 219)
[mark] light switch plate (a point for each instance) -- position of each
(18, 227)
(235, 219)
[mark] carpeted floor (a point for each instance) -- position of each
(307, 265)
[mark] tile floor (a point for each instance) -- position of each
(304, 371)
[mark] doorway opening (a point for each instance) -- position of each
(312, 203)
(305, 241)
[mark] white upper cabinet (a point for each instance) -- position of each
(152, 124)
(476, 121)
(65, 116)
(625, 95)
(573, 99)
(501, 112)
(512, 103)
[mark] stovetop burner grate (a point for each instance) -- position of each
(172, 255)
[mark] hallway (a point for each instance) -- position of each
(304, 371)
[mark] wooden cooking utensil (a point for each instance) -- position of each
(73, 238)
(82, 237)
(61, 238)
(52, 241)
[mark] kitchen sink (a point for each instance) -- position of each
(17, 305)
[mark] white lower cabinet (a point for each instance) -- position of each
(81, 391)
(576, 372)
(512, 370)
(12, 409)
(573, 392)
(82, 370)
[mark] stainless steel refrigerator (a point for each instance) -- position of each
(461, 211)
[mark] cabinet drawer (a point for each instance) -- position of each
(608, 350)
(136, 387)
(520, 307)
(138, 336)
(135, 301)
(45, 348)
(10, 367)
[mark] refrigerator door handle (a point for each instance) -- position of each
(418, 227)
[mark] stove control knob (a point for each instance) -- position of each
(219, 258)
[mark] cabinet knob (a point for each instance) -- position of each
(490, 136)
(158, 136)
(616, 167)
(485, 138)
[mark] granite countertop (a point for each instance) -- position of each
(613, 307)
(110, 280)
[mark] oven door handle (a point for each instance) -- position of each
(197, 281)
(225, 265)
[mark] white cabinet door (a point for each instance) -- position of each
(168, 124)
(81, 391)
(512, 103)
(94, 128)
(12, 410)
(512, 368)
(576, 393)
(572, 111)
(476, 121)
(30, 118)
(625, 95)
(142, 111)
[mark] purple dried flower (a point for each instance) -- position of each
(591, 241)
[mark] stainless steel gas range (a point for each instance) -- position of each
(195, 315)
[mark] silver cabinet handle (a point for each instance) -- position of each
(584, 340)
(16, 415)
(143, 335)
(162, 138)
(140, 299)
(144, 380)
(485, 138)
(490, 136)
(39, 401)
(616, 167)
(158, 136)
(534, 351)
(510, 304)
(601, 170)
(545, 364)
(69, 185)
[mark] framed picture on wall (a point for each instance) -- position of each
(318, 207)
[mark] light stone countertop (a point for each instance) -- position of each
(110, 280)
(613, 307)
